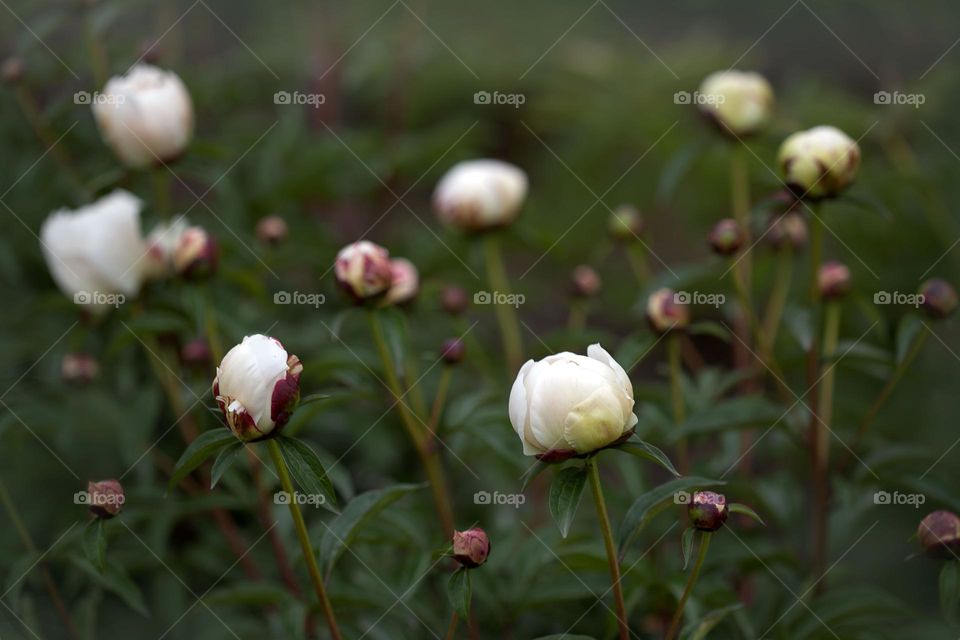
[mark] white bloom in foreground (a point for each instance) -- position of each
(146, 116)
(740, 101)
(363, 269)
(571, 403)
(257, 387)
(97, 250)
(819, 162)
(480, 194)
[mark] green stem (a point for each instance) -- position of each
(506, 313)
(446, 375)
(578, 315)
(161, 191)
(778, 296)
(691, 581)
(740, 202)
(304, 538)
(818, 519)
(99, 63)
(637, 258)
(412, 373)
(607, 532)
(676, 397)
(452, 628)
(821, 441)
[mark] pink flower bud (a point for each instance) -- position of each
(453, 351)
(105, 498)
(666, 310)
(405, 282)
(272, 230)
(196, 353)
(586, 281)
(787, 230)
(939, 534)
(454, 300)
(195, 256)
(939, 298)
(363, 270)
(471, 547)
(834, 279)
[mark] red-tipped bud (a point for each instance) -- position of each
(272, 230)
(454, 300)
(105, 498)
(667, 310)
(939, 534)
(195, 256)
(79, 368)
(939, 298)
(727, 237)
(471, 547)
(707, 510)
(834, 279)
(453, 351)
(586, 281)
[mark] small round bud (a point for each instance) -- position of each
(707, 510)
(453, 351)
(196, 353)
(454, 300)
(586, 281)
(739, 103)
(787, 230)
(939, 534)
(79, 368)
(834, 279)
(476, 195)
(727, 237)
(819, 162)
(667, 310)
(195, 256)
(13, 70)
(625, 223)
(272, 230)
(363, 270)
(105, 498)
(404, 282)
(939, 298)
(471, 547)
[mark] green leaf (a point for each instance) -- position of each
(742, 509)
(116, 580)
(95, 544)
(686, 545)
(314, 397)
(206, 444)
(654, 501)
(737, 413)
(538, 467)
(224, 461)
(641, 449)
(950, 591)
(358, 511)
(565, 492)
(698, 630)
(308, 471)
(712, 329)
(249, 594)
(908, 331)
(458, 591)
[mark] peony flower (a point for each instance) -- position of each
(939, 534)
(471, 547)
(570, 404)
(707, 510)
(105, 498)
(363, 269)
(480, 194)
(739, 102)
(96, 254)
(195, 255)
(257, 387)
(146, 116)
(404, 282)
(666, 310)
(819, 162)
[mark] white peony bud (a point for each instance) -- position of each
(405, 282)
(363, 269)
(146, 116)
(819, 162)
(569, 404)
(480, 194)
(257, 387)
(739, 102)
(96, 251)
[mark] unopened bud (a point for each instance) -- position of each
(939, 534)
(13, 70)
(586, 281)
(471, 547)
(363, 270)
(666, 310)
(727, 237)
(196, 353)
(707, 510)
(272, 230)
(404, 282)
(79, 368)
(787, 230)
(834, 279)
(453, 351)
(195, 256)
(626, 223)
(105, 498)
(454, 300)
(939, 298)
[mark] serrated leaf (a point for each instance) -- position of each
(224, 461)
(647, 451)
(653, 501)
(950, 591)
(95, 544)
(206, 444)
(742, 509)
(307, 471)
(565, 492)
(458, 592)
(686, 545)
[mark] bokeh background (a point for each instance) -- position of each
(599, 126)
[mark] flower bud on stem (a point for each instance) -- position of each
(594, 474)
(691, 581)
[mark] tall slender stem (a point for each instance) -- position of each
(578, 315)
(691, 581)
(161, 191)
(452, 628)
(817, 434)
(740, 202)
(676, 397)
(637, 258)
(506, 313)
(412, 372)
(418, 436)
(304, 537)
(778, 296)
(446, 375)
(607, 532)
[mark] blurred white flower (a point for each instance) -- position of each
(363, 269)
(405, 282)
(480, 194)
(257, 387)
(819, 162)
(571, 403)
(162, 241)
(146, 116)
(96, 249)
(740, 101)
